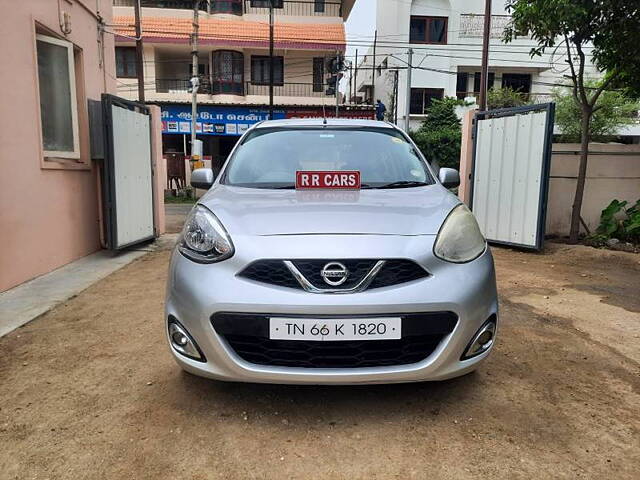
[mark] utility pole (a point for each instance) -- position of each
(338, 73)
(139, 53)
(407, 105)
(195, 81)
(395, 97)
(270, 59)
(350, 99)
(373, 70)
(355, 78)
(484, 75)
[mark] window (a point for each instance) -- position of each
(58, 103)
(260, 70)
(126, 62)
(318, 6)
(462, 84)
(226, 6)
(202, 70)
(476, 81)
(228, 72)
(428, 30)
(421, 99)
(265, 3)
(318, 74)
(520, 82)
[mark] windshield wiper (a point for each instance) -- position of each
(403, 184)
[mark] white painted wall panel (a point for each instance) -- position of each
(132, 172)
(507, 177)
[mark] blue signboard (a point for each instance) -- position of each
(213, 120)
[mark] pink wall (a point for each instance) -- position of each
(48, 209)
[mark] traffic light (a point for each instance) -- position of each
(335, 65)
(332, 81)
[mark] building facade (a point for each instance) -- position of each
(60, 57)
(234, 64)
(446, 39)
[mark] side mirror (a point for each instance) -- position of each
(449, 177)
(202, 178)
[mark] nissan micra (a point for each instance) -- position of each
(330, 252)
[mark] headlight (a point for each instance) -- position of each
(459, 239)
(203, 238)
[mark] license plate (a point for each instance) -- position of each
(387, 328)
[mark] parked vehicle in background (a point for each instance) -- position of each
(328, 251)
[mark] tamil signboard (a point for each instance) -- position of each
(213, 120)
(235, 120)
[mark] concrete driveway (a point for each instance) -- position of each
(89, 390)
(175, 214)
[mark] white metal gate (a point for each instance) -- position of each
(510, 174)
(128, 186)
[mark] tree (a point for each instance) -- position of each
(615, 109)
(609, 30)
(440, 135)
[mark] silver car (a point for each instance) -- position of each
(387, 279)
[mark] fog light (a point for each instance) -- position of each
(182, 342)
(482, 340)
(180, 339)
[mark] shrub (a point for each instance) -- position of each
(505, 98)
(619, 222)
(614, 110)
(440, 135)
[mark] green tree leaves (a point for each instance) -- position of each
(440, 135)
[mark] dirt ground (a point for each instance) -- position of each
(89, 390)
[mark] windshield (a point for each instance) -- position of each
(269, 158)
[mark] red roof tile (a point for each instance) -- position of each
(316, 36)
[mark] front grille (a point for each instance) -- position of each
(311, 269)
(348, 354)
(248, 335)
(275, 272)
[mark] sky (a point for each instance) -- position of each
(361, 23)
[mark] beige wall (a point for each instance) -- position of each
(613, 172)
(48, 209)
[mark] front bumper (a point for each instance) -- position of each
(195, 292)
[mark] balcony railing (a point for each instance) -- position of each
(288, 89)
(526, 97)
(300, 8)
(472, 25)
(178, 4)
(181, 85)
(297, 8)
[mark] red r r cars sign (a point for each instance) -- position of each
(345, 180)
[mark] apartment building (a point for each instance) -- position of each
(234, 63)
(446, 38)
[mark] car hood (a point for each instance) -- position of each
(403, 211)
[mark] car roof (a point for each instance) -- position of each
(320, 122)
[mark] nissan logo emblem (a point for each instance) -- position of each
(334, 274)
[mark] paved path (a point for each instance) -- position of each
(175, 214)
